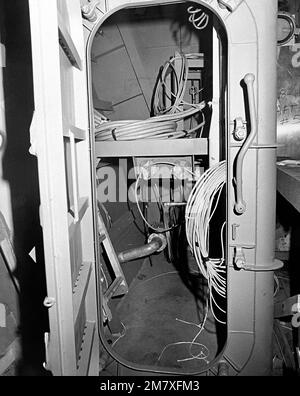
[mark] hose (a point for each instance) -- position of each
(156, 243)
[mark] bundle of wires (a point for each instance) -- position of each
(164, 123)
(175, 92)
(99, 119)
(159, 127)
(140, 177)
(198, 18)
(178, 66)
(201, 206)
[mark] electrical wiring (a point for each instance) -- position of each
(121, 335)
(201, 206)
(164, 123)
(277, 285)
(175, 95)
(137, 185)
(179, 67)
(158, 230)
(98, 118)
(198, 18)
(204, 351)
(161, 126)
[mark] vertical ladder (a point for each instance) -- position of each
(119, 286)
(60, 139)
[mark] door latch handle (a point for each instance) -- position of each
(240, 205)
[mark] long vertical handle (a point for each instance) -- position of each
(240, 205)
(74, 177)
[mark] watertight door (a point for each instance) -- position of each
(60, 139)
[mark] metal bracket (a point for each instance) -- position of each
(240, 131)
(107, 315)
(110, 292)
(89, 10)
(277, 264)
(241, 263)
(239, 258)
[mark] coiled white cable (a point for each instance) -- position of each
(200, 208)
(198, 18)
(179, 67)
(158, 127)
(164, 124)
(175, 95)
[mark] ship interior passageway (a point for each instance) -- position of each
(158, 96)
(140, 233)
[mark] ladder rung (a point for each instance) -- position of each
(86, 350)
(113, 288)
(79, 134)
(80, 288)
(67, 44)
(83, 206)
(113, 258)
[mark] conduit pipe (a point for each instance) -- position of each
(156, 243)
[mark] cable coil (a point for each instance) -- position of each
(198, 18)
(158, 127)
(164, 123)
(201, 206)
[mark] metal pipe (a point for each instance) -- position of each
(174, 204)
(156, 243)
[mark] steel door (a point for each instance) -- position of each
(60, 139)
